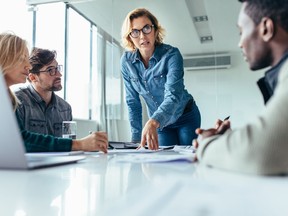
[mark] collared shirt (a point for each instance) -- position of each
(161, 85)
(36, 116)
(268, 83)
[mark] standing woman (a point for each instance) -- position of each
(14, 62)
(154, 71)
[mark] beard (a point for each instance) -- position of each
(56, 86)
(262, 63)
(264, 59)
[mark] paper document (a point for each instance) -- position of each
(153, 158)
(124, 151)
(167, 147)
(184, 149)
(134, 151)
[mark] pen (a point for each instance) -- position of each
(109, 145)
(226, 118)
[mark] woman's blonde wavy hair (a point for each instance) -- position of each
(12, 49)
(127, 27)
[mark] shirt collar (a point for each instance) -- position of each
(279, 64)
(156, 55)
(271, 75)
(268, 83)
(38, 98)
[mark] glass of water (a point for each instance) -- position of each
(69, 129)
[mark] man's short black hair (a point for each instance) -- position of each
(41, 57)
(274, 9)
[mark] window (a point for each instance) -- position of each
(22, 25)
(91, 58)
(113, 81)
(50, 32)
(96, 76)
(19, 26)
(78, 64)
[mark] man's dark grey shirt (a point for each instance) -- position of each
(35, 116)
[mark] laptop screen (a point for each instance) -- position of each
(12, 154)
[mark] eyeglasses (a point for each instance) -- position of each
(135, 33)
(53, 70)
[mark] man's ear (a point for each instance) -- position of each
(267, 29)
(32, 77)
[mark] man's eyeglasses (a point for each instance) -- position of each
(135, 33)
(53, 70)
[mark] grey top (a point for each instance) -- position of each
(259, 147)
(35, 116)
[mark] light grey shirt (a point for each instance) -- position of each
(38, 117)
(261, 146)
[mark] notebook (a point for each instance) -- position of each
(123, 145)
(12, 149)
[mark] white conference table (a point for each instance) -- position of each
(99, 185)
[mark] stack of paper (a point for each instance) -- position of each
(154, 158)
(185, 149)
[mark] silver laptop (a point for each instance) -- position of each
(12, 149)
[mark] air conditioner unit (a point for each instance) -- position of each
(207, 61)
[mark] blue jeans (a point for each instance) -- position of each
(182, 132)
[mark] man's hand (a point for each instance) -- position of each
(220, 128)
(95, 141)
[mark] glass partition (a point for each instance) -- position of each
(78, 64)
(113, 81)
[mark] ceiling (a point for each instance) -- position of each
(176, 16)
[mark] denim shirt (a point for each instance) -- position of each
(161, 85)
(36, 116)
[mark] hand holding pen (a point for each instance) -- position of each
(219, 125)
(97, 141)
(220, 128)
(109, 145)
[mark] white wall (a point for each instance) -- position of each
(226, 92)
